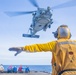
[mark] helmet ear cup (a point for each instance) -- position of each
(55, 34)
(70, 35)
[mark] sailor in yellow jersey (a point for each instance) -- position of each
(61, 45)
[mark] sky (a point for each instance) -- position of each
(12, 28)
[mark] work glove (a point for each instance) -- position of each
(17, 49)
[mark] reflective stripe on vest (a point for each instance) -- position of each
(68, 42)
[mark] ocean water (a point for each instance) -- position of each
(45, 68)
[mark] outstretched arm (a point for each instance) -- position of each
(50, 46)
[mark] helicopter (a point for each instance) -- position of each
(42, 18)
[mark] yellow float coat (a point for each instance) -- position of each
(50, 46)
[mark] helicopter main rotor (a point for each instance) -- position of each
(12, 13)
(66, 4)
(34, 3)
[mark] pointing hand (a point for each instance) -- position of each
(17, 49)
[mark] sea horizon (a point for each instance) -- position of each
(44, 68)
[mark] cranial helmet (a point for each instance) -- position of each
(62, 32)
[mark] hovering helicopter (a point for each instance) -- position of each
(42, 18)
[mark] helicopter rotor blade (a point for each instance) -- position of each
(66, 4)
(34, 3)
(11, 14)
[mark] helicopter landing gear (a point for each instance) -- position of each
(31, 35)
